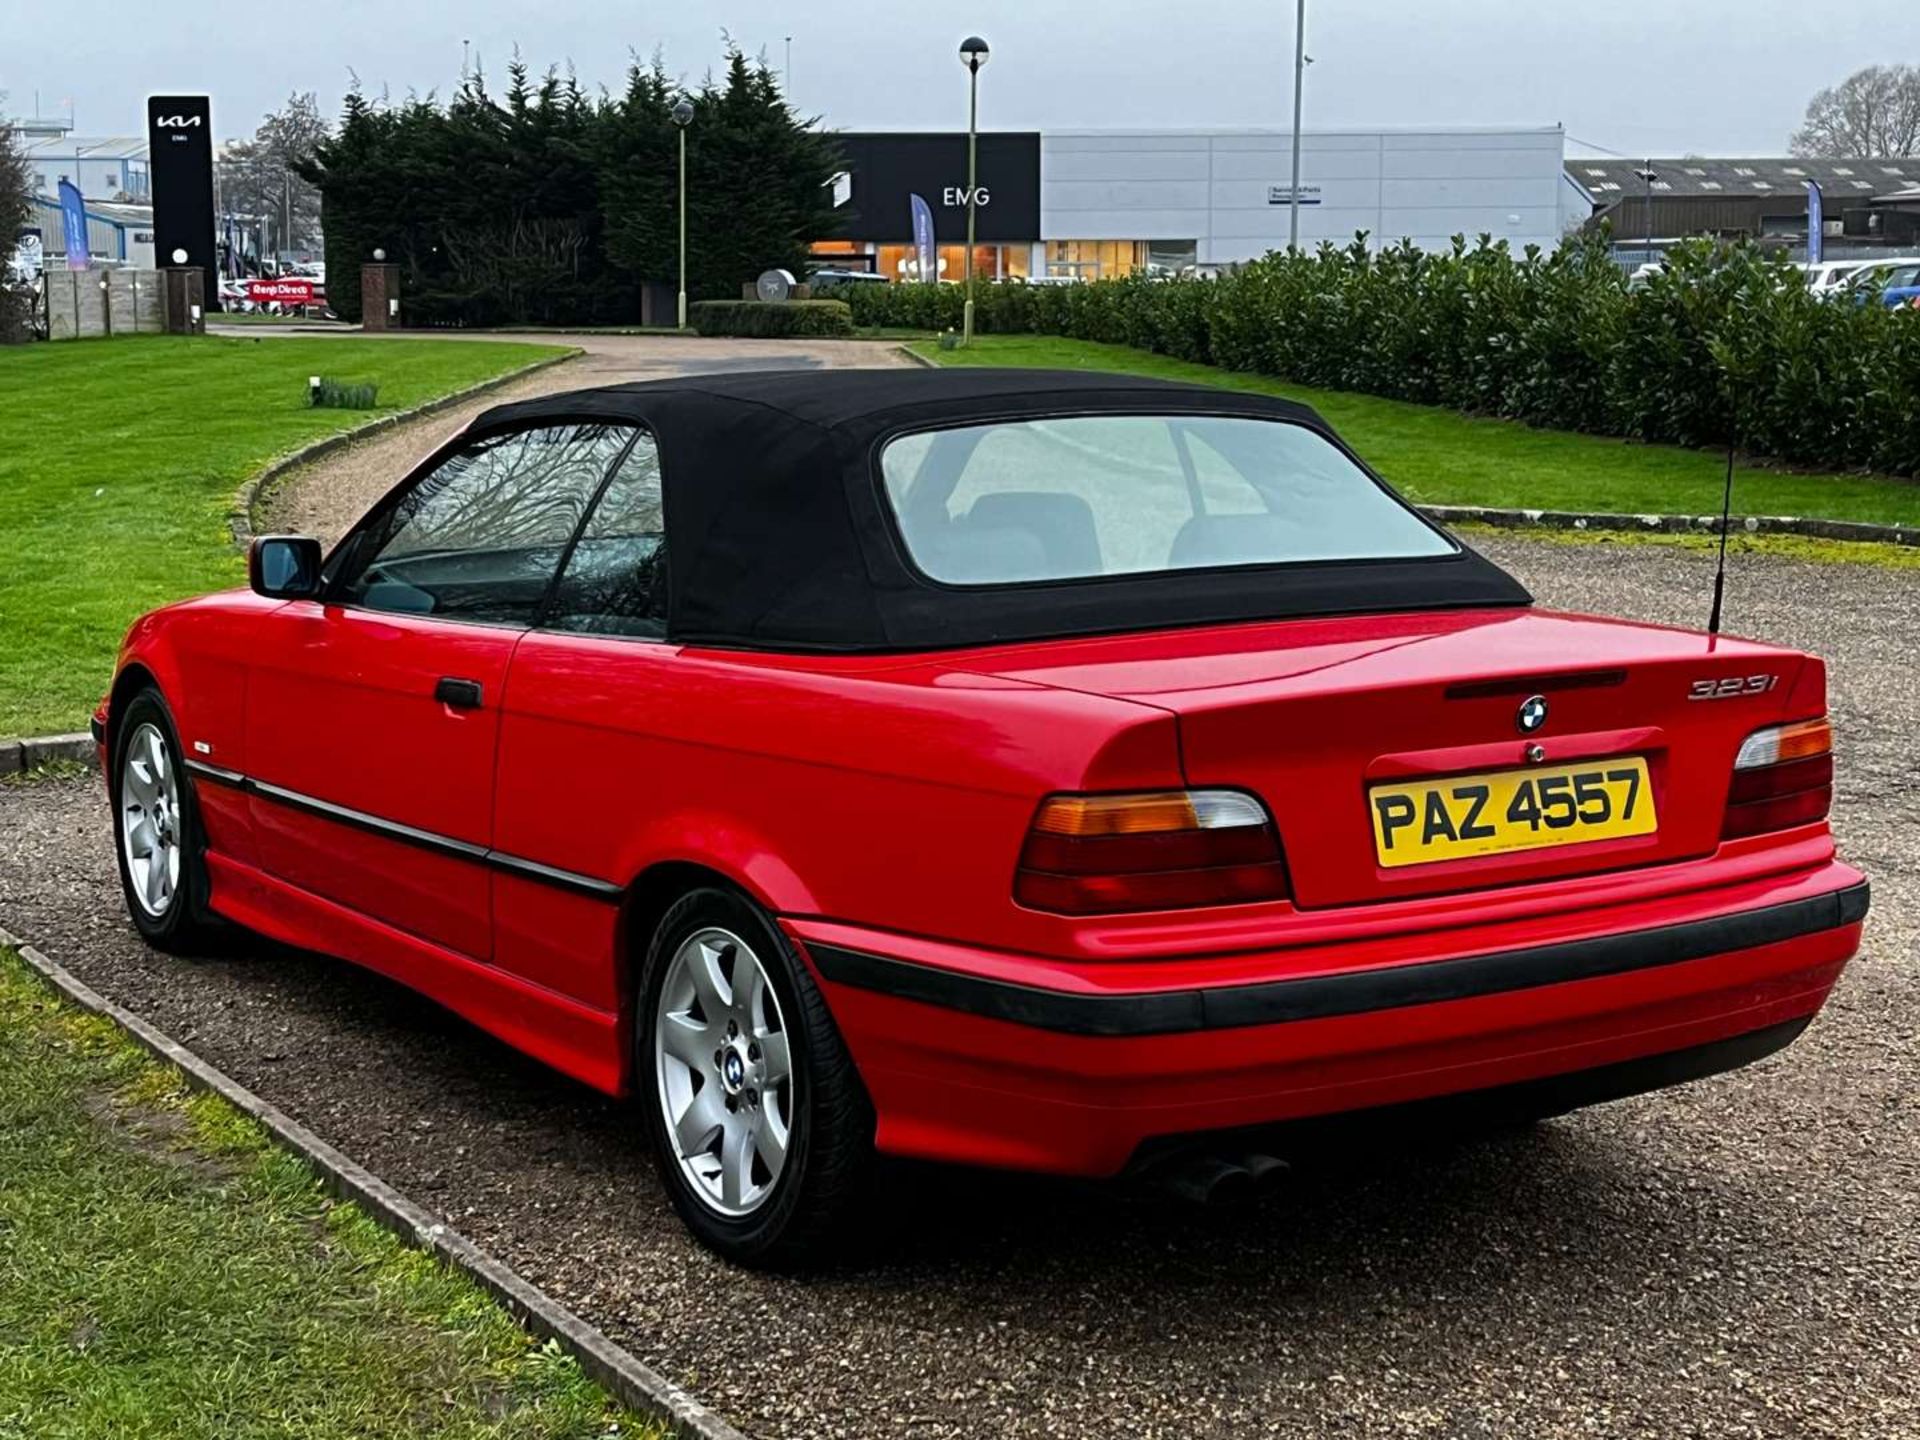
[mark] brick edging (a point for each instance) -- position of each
(240, 513)
(633, 1384)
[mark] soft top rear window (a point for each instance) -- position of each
(1078, 497)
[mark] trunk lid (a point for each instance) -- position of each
(1315, 715)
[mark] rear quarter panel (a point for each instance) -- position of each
(895, 794)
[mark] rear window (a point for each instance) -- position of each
(1091, 495)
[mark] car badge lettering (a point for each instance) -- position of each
(1731, 687)
(1533, 714)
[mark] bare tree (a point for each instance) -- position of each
(258, 178)
(1873, 113)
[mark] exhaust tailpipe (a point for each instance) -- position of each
(1209, 1180)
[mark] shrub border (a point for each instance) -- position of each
(634, 1384)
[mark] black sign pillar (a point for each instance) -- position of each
(180, 167)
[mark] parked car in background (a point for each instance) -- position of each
(1831, 275)
(1893, 283)
(1900, 285)
(1043, 770)
(831, 276)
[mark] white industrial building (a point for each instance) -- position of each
(1104, 202)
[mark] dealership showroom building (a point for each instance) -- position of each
(1092, 204)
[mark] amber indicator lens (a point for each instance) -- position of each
(1157, 850)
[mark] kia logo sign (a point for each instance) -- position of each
(956, 195)
(177, 122)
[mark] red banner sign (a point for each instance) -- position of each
(290, 291)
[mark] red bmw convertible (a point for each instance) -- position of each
(1047, 771)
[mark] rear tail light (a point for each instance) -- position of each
(1782, 777)
(1098, 854)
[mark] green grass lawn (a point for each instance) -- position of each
(1441, 457)
(166, 1271)
(118, 463)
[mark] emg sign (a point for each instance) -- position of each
(887, 169)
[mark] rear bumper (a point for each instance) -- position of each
(1042, 1065)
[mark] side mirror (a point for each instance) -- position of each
(284, 567)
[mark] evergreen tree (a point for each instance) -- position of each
(16, 211)
(547, 206)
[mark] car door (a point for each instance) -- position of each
(372, 714)
(591, 683)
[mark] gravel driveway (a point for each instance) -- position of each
(1741, 1257)
(325, 498)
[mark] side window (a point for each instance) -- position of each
(615, 582)
(479, 538)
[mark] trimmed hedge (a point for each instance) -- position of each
(760, 318)
(1726, 346)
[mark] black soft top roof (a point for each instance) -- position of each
(780, 537)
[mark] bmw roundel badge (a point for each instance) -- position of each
(1533, 714)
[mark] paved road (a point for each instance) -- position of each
(325, 498)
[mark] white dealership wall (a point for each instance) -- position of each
(1227, 189)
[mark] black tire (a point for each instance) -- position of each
(829, 1155)
(182, 923)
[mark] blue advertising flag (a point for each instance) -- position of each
(73, 220)
(923, 238)
(1815, 222)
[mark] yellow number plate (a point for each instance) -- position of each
(1458, 818)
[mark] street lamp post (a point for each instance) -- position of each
(1299, 82)
(1646, 249)
(973, 54)
(683, 117)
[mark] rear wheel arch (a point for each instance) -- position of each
(648, 898)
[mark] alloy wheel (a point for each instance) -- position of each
(724, 1071)
(150, 819)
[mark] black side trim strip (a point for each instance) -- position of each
(1319, 997)
(232, 779)
(589, 885)
(372, 824)
(551, 875)
(96, 730)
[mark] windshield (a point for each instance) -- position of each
(1093, 495)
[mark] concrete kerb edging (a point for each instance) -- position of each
(1854, 530)
(915, 357)
(632, 1383)
(240, 514)
(18, 755)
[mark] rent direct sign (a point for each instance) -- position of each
(291, 291)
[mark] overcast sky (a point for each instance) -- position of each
(1639, 77)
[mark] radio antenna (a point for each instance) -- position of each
(1720, 569)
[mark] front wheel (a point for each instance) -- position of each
(759, 1123)
(157, 829)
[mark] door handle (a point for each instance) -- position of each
(460, 694)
